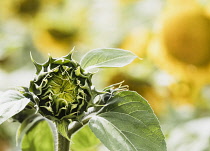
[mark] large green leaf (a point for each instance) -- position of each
(11, 103)
(38, 138)
(128, 123)
(84, 140)
(109, 57)
(26, 125)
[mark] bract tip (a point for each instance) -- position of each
(38, 66)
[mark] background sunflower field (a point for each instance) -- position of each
(171, 36)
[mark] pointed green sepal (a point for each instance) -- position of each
(37, 65)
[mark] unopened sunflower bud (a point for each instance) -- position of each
(62, 90)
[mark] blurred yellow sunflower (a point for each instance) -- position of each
(24, 9)
(55, 39)
(181, 44)
(59, 29)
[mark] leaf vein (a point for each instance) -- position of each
(98, 64)
(121, 133)
(143, 138)
(146, 126)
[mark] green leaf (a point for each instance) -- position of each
(128, 123)
(38, 138)
(108, 57)
(84, 140)
(26, 125)
(11, 103)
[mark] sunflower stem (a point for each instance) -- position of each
(63, 143)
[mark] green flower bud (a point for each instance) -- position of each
(61, 89)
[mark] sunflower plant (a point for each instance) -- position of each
(61, 108)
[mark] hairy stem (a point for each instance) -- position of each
(75, 126)
(63, 143)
